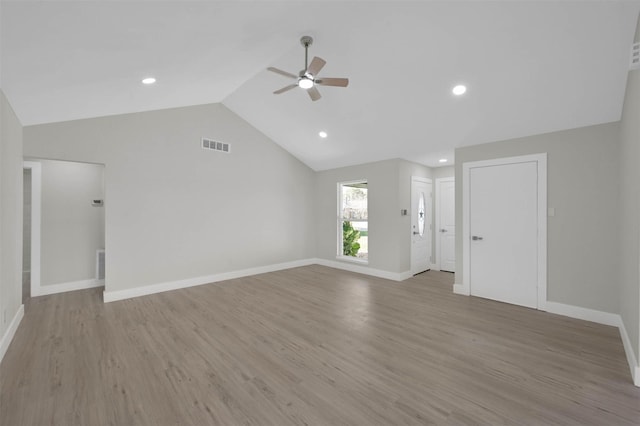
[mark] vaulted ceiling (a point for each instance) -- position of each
(530, 68)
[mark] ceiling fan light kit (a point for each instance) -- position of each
(307, 79)
(305, 82)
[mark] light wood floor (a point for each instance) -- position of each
(310, 346)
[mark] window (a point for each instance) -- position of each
(353, 228)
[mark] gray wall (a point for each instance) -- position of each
(384, 213)
(630, 208)
(443, 172)
(10, 214)
(71, 228)
(389, 191)
(582, 238)
(175, 211)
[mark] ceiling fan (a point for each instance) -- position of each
(308, 78)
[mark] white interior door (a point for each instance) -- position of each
(503, 225)
(446, 224)
(421, 223)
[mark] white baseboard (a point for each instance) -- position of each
(605, 318)
(401, 276)
(631, 357)
(70, 286)
(112, 296)
(435, 267)
(11, 332)
(586, 314)
(461, 289)
(394, 276)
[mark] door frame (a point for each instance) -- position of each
(36, 209)
(436, 228)
(429, 182)
(541, 161)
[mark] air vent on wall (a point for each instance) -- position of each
(215, 145)
(100, 264)
(634, 63)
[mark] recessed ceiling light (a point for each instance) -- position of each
(148, 80)
(442, 160)
(459, 90)
(323, 134)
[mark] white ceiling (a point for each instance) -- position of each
(530, 68)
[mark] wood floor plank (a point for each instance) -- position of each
(310, 346)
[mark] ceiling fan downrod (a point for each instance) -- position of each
(306, 41)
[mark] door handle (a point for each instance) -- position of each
(476, 238)
(416, 233)
(443, 230)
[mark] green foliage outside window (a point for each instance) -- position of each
(350, 236)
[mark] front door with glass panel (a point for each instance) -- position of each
(421, 220)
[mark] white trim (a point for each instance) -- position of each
(339, 232)
(36, 214)
(541, 160)
(70, 286)
(461, 289)
(352, 259)
(542, 231)
(421, 179)
(586, 314)
(11, 331)
(394, 276)
(631, 357)
(605, 318)
(112, 296)
(397, 276)
(436, 230)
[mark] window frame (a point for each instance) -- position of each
(340, 220)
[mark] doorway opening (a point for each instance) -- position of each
(64, 226)
(32, 175)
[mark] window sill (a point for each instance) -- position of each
(352, 259)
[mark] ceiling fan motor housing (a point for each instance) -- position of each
(306, 41)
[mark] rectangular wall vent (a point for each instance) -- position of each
(215, 145)
(634, 63)
(100, 264)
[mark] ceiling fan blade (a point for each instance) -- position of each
(285, 89)
(316, 65)
(284, 73)
(337, 82)
(314, 94)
